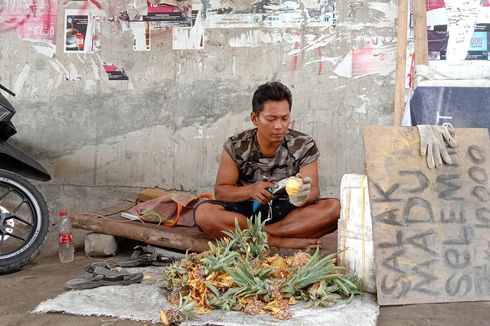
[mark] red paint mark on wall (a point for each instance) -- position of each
(294, 62)
(33, 20)
(320, 63)
(96, 3)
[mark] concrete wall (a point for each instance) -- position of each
(102, 139)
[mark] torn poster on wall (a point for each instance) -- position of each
(114, 72)
(378, 56)
(82, 31)
(141, 35)
(438, 39)
(189, 38)
(32, 20)
(269, 13)
(458, 30)
(168, 13)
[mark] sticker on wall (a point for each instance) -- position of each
(114, 72)
(80, 29)
(31, 19)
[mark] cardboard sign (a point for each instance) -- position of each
(431, 227)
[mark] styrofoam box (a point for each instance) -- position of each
(355, 235)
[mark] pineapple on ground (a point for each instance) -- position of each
(253, 306)
(299, 259)
(175, 316)
(237, 274)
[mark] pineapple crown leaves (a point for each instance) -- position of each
(347, 286)
(352, 281)
(314, 270)
(227, 300)
(257, 238)
(171, 275)
(253, 240)
(249, 281)
(184, 312)
(219, 259)
(186, 307)
(239, 236)
(320, 294)
(255, 227)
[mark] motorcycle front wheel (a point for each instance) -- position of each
(24, 222)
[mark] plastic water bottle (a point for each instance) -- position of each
(66, 249)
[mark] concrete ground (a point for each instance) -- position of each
(45, 278)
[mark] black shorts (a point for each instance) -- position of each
(276, 209)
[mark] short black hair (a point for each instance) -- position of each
(274, 91)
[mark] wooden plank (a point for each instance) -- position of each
(401, 61)
(108, 221)
(431, 227)
(420, 33)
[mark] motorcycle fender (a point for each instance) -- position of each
(17, 161)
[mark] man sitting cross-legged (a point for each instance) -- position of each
(251, 164)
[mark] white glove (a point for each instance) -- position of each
(433, 141)
(302, 196)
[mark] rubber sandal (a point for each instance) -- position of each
(145, 256)
(102, 275)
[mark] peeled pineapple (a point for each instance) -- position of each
(293, 186)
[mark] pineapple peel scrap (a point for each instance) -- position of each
(164, 318)
(293, 186)
(277, 261)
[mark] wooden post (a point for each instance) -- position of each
(401, 60)
(420, 33)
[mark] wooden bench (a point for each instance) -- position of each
(109, 221)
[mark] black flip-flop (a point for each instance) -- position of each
(103, 275)
(146, 256)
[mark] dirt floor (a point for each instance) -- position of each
(45, 278)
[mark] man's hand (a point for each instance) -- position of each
(302, 196)
(433, 141)
(260, 191)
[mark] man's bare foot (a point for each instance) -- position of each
(293, 243)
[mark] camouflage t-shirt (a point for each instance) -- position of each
(296, 151)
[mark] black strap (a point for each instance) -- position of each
(7, 90)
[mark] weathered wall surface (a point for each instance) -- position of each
(104, 139)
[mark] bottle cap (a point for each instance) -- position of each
(63, 213)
